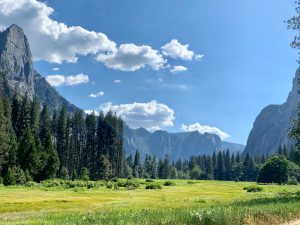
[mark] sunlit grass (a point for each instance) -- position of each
(185, 203)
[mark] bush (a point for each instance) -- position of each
(253, 188)
(154, 186)
(169, 183)
(109, 185)
(31, 184)
(114, 179)
(275, 170)
(192, 182)
(84, 174)
(9, 179)
(149, 180)
(292, 181)
(1, 180)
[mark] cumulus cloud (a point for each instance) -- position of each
(117, 81)
(177, 69)
(73, 80)
(176, 50)
(55, 69)
(205, 129)
(56, 42)
(150, 115)
(56, 80)
(98, 94)
(89, 112)
(130, 57)
(51, 40)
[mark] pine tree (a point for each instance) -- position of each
(104, 168)
(249, 167)
(34, 117)
(220, 167)
(227, 166)
(209, 169)
(45, 128)
(61, 137)
(137, 167)
(25, 120)
(90, 152)
(9, 178)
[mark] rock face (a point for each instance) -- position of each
(175, 145)
(271, 127)
(16, 64)
(16, 60)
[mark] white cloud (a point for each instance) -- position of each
(98, 94)
(130, 57)
(117, 81)
(150, 115)
(56, 80)
(91, 111)
(205, 129)
(73, 80)
(176, 50)
(177, 69)
(55, 69)
(198, 57)
(77, 79)
(56, 42)
(51, 40)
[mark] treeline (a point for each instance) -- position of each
(36, 144)
(219, 166)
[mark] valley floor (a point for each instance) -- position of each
(189, 202)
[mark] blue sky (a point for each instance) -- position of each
(247, 62)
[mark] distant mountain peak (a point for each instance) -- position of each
(16, 60)
(271, 126)
(175, 145)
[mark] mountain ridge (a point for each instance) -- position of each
(175, 145)
(271, 126)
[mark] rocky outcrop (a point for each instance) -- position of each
(175, 145)
(17, 68)
(16, 60)
(271, 127)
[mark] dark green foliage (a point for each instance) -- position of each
(292, 181)
(253, 188)
(275, 170)
(169, 183)
(154, 186)
(74, 175)
(9, 178)
(196, 173)
(64, 173)
(84, 174)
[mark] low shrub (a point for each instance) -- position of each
(192, 182)
(169, 183)
(149, 180)
(154, 186)
(292, 181)
(253, 188)
(114, 179)
(31, 184)
(109, 185)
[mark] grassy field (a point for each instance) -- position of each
(201, 202)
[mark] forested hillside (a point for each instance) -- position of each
(36, 144)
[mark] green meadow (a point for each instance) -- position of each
(188, 202)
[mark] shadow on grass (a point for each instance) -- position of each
(283, 197)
